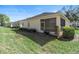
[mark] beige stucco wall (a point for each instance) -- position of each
(23, 24)
(35, 22)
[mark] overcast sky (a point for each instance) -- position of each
(19, 12)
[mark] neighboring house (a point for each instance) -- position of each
(14, 24)
(45, 22)
(75, 23)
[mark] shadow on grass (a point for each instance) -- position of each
(39, 38)
(65, 39)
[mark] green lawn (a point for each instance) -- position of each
(77, 31)
(12, 42)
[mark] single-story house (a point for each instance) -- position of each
(45, 22)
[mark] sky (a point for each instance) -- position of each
(19, 12)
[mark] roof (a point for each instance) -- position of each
(45, 13)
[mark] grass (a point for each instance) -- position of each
(16, 43)
(62, 47)
(77, 31)
(11, 42)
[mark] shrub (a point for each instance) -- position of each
(68, 32)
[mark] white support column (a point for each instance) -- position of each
(58, 21)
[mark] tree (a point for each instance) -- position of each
(71, 12)
(4, 19)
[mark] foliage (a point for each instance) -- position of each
(4, 19)
(71, 12)
(77, 31)
(68, 32)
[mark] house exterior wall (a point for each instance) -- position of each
(35, 22)
(21, 24)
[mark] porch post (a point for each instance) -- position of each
(58, 26)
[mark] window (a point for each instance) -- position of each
(42, 24)
(62, 22)
(48, 24)
(28, 24)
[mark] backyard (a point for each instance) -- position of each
(20, 42)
